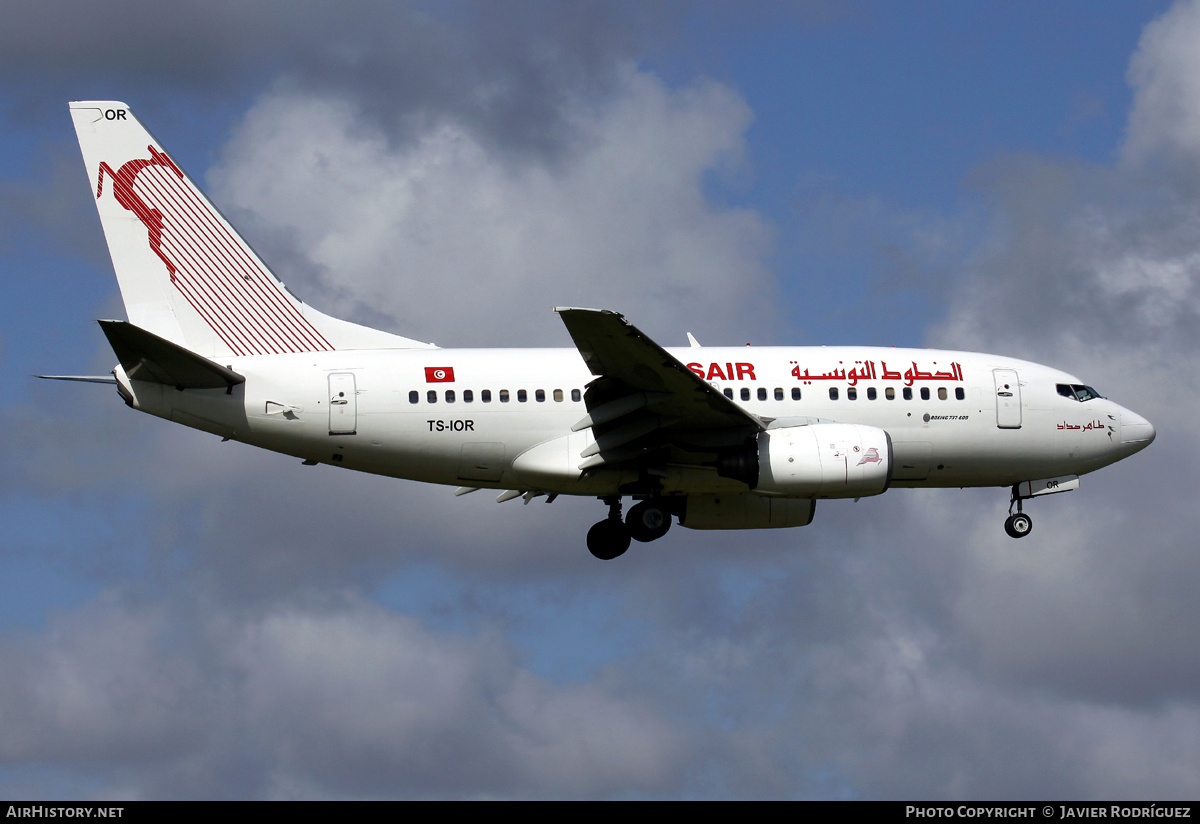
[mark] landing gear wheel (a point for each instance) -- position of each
(647, 521)
(1019, 525)
(608, 539)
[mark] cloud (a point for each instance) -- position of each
(1165, 73)
(461, 244)
(343, 700)
(503, 73)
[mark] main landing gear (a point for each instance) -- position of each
(1017, 524)
(647, 521)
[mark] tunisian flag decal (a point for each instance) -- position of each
(439, 374)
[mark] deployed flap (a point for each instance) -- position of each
(614, 348)
(147, 357)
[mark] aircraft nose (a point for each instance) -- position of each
(1135, 429)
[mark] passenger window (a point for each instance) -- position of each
(778, 393)
(486, 396)
(449, 396)
(468, 396)
(852, 394)
(414, 396)
(908, 393)
(745, 393)
(762, 393)
(576, 396)
(960, 393)
(890, 393)
(522, 396)
(729, 394)
(795, 393)
(558, 396)
(539, 395)
(924, 393)
(833, 393)
(432, 396)
(870, 393)
(942, 393)
(503, 396)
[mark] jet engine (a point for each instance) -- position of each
(820, 460)
(824, 460)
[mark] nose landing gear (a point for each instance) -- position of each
(1017, 524)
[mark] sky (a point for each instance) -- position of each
(185, 618)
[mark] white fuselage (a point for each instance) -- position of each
(502, 418)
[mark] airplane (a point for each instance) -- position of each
(713, 437)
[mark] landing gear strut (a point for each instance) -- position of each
(609, 538)
(1018, 524)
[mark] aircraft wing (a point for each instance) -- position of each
(643, 399)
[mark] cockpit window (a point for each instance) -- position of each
(1077, 392)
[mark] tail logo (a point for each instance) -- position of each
(122, 188)
(209, 265)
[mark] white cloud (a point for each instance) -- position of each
(465, 245)
(1165, 73)
(340, 701)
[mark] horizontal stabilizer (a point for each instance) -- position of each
(80, 378)
(147, 357)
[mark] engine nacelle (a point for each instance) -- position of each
(745, 511)
(824, 460)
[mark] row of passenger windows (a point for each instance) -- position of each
(485, 396)
(852, 393)
(539, 395)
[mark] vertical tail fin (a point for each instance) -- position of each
(185, 273)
